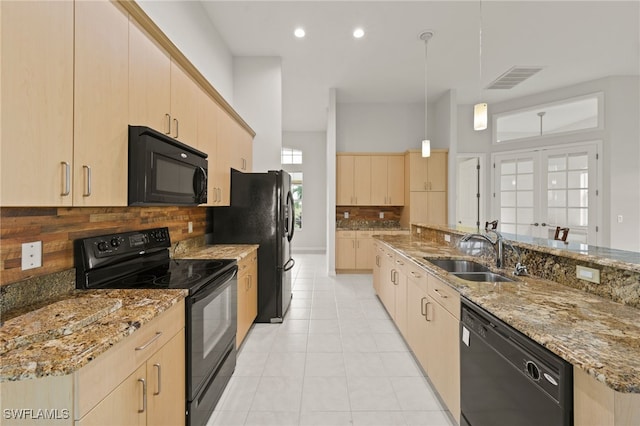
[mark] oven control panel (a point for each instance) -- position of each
(92, 252)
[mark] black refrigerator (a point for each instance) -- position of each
(261, 212)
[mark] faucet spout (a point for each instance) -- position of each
(497, 245)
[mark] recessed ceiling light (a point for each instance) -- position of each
(358, 33)
(299, 32)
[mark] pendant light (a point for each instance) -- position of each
(426, 143)
(480, 109)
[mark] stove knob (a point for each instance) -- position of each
(103, 246)
(115, 242)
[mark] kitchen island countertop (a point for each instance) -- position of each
(595, 334)
(66, 354)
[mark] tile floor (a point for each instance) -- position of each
(337, 359)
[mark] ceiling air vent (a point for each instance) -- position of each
(513, 76)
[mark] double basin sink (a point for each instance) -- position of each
(468, 270)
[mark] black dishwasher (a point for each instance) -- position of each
(508, 379)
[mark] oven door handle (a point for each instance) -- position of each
(209, 289)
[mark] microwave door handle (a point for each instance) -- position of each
(200, 183)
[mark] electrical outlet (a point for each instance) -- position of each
(620, 218)
(190, 226)
(447, 238)
(346, 215)
(31, 255)
(381, 215)
(588, 274)
(419, 230)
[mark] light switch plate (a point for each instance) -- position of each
(381, 215)
(447, 238)
(31, 255)
(190, 226)
(588, 274)
(346, 215)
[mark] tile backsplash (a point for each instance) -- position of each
(368, 217)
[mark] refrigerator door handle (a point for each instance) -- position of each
(290, 223)
(288, 267)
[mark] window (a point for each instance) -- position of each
(291, 156)
(296, 192)
(567, 116)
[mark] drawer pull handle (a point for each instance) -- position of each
(414, 275)
(444, 296)
(159, 378)
(144, 395)
(153, 339)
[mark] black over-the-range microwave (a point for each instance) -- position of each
(164, 171)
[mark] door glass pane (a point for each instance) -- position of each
(508, 168)
(578, 162)
(557, 180)
(508, 183)
(525, 198)
(508, 215)
(508, 199)
(557, 164)
(525, 166)
(525, 181)
(525, 215)
(578, 179)
(556, 216)
(557, 198)
(578, 198)
(577, 217)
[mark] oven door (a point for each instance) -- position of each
(212, 322)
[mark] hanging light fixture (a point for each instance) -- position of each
(426, 143)
(480, 109)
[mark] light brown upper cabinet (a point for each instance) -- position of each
(149, 81)
(428, 174)
(387, 180)
(100, 99)
(184, 106)
(36, 125)
(353, 180)
(208, 117)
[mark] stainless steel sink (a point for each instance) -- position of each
(458, 265)
(482, 277)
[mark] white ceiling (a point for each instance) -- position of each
(575, 41)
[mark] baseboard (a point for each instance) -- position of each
(309, 250)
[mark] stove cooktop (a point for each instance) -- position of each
(188, 274)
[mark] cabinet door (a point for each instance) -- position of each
(362, 180)
(37, 103)
(344, 180)
(437, 171)
(345, 253)
(149, 82)
(418, 172)
(379, 180)
(244, 148)
(387, 286)
(208, 142)
(100, 104)
(417, 325)
(400, 317)
(252, 299)
(377, 259)
(125, 405)
(184, 106)
(444, 356)
(364, 250)
(418, 207)
(243, 300)
(166, 384)
(436, 207)
(224, 155)
(395, 180)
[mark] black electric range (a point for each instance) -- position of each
(140, 260)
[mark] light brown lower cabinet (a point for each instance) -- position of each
(595, 404)
(247, 295)
(427, 312)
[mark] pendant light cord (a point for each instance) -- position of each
(480, 55)
(426, 36)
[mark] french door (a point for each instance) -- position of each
(536, 191)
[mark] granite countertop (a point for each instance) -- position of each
(219, 251)
(56, 349)
(595, 334)
(369, 228)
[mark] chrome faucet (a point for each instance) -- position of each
(498, 245)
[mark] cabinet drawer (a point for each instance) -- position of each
(418, 275)
(364, 234)
(105, 373)
(444, 295)
(345, 234)
(402, 263)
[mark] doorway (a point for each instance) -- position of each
(470, 184)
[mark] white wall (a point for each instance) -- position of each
(620, 194)
(381, 127)
(313, 235)
(187, 25)
(257, 89)
(446, 136)
(331, 182)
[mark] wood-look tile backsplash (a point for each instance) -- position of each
(57, 228)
